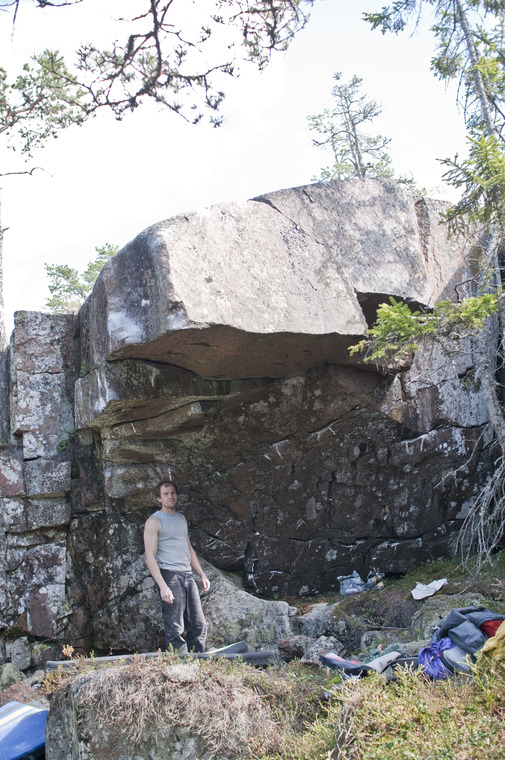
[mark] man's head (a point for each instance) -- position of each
(166, 482)
(167, 496)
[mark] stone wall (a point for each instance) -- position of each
(214, 350)
(36, 462)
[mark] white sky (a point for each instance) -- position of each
(108, 180)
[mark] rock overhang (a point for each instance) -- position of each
(272, 286)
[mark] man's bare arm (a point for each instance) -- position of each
(151, 532)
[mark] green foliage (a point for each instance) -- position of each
(356, 153)
(65, 442)
(467, 49)
(399, 330)
(69, 288)
(412, 718)
(482, 179)
(178, 67)
(395, 17)
(481, 176)
(42, 100)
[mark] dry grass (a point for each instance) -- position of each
(238, 712)
(277, 714)
(413, 717)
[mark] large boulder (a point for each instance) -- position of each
(273, 286)
(214, 350)
(154, 711)
(234, 615)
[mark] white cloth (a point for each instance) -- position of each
(421, 591)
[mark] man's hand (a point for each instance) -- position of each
(166, 595)
(205, 583)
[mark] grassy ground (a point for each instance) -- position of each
(297, 712)
(490, 584)
(412, 717)
(461, 718)
(394, 615)
(293, 712)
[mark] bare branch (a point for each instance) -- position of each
(26, 171)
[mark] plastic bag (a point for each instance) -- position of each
(374, 580)
(351, 584)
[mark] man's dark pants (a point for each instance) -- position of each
(184, 614)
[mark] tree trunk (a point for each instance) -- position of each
(475, 73)
(350, 128)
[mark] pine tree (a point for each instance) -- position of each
(472, 51)
(177, 65)
(343, 129)
(70, 288)
(156, 60)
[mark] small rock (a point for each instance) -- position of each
(294, 647)
(42, 653)
(10, 674)
(26, 691)
(370, 639)
(323, 644)
(315, 622)
(235, 615)
(412, 648)
(19, 653)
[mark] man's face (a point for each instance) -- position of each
(168, 496)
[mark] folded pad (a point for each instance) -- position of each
(457, 660)
(356, 668)
(349, 667)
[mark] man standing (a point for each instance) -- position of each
(170, 559)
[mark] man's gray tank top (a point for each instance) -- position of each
(173, 549)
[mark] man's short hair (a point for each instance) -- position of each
(166, 482)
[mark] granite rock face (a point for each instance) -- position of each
(277, 285)
(35, 477)
(214, 350)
